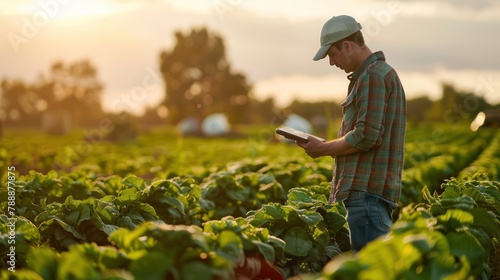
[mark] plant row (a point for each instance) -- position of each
(65, 215)
(452, 235)
(441, 166)
(488, 162)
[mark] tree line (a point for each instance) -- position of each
(199, 81)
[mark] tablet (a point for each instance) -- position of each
(294, 134)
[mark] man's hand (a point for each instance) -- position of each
(314, 148)
(317, 148)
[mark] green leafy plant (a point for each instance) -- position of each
(451, 236)
(313, 230)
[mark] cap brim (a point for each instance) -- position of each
(322, 52)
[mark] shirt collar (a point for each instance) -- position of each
(369, 60)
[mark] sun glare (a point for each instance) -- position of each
(88, 8)
(68, 9)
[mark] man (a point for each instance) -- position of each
(369, 149)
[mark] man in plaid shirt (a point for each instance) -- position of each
(369, 150)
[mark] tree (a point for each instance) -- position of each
(417, 109)
(456, 107)
(309, 110)
(72, 89)
(199, 80)
(19, 105)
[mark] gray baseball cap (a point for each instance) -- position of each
(334, 30)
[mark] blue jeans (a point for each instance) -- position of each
(368, 217)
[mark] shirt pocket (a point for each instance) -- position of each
(349, 111)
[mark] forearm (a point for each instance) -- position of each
(340, 147)
(315, 148)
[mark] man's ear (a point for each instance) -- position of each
(347, 46)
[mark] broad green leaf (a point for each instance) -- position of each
(248, 179)
(198, 270)
(98, 222)
(439, 241)
(43, 261)
(21, 274)
(114, 182)
(28, 229)
(146, 209)
(239, 194)
(206, 205)
(420, 241)
(107, 212)
(334, 221)
(475, 194)
(135, 215)
(343, 267)
(388, 258)
(195, 191)
(118, 237)
(110, 258)
(455, 219)
(174, 213)
(266, 178)
(129, 193)
(321, 235)
(299, 196)
(69, 228)
(311, 218)
(124, 199)
(274, 210)
(484, 220)
(172, 201)
(437, 266)
(64, 239)
(152, 266)
(72, 218)
(230, 246)
(463, 273)
(427, 196)
(465, 244)
(265, 249)
(483, 238)
(463, 202)
(297, 242)
(85, 210)
(450, 192)
(74, 265)
(333, 250)
(134, 181)
(71, 204)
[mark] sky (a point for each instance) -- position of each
(428, 42)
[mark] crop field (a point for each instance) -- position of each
(168, 207)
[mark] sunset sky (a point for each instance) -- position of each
(272, 42)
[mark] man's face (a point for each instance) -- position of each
(341, 58)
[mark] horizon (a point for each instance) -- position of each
(272, 44)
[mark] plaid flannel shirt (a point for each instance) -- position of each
(374, 121)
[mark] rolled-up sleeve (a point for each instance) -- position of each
(371, 105)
